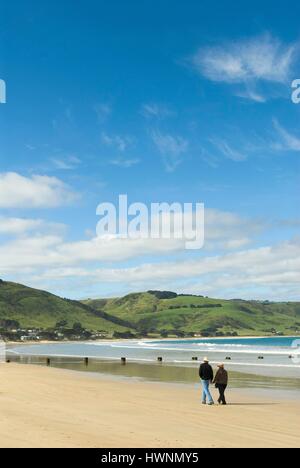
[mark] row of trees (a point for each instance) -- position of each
(63, 330)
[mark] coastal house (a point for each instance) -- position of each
(31, 336)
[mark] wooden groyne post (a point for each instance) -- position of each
(123, 360)
(48, 361)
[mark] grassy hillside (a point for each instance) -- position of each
(40, 309)
(153, 312)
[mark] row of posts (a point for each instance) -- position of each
(159, 359)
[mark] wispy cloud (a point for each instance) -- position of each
(209, 158)
(172, 148)
(155, 110)
(251, 94)
(264, 58)
(126, 163)
(227, 150)
(66, 164)
(103, 111)
(288, 141)
(30, 147)
(120, 143)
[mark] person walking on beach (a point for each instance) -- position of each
(221, 382)
(206, 375)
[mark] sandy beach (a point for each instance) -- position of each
(47, 407)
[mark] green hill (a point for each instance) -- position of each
(151, 312)
(166, 312)
(33, 308)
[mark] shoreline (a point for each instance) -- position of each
(49, 407)
(170, 373)
(147, 339)
(243, 362)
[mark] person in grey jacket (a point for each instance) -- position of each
(221, 382)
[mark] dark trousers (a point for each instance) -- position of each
(222, 389)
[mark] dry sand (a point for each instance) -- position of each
(47, 407)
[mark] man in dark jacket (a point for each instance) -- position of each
(206, 375)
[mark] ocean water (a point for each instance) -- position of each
(272, 356)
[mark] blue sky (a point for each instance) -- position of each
(163, 101)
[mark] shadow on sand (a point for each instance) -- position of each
(251, 404)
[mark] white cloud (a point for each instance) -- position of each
(230, 231)
(262, 273)
(43, 251)
(47, 257)
(234, 274)
(223, 231)
(17, 191)
(18, 225)
(21, 226)
(289, 142)
(171, 148)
